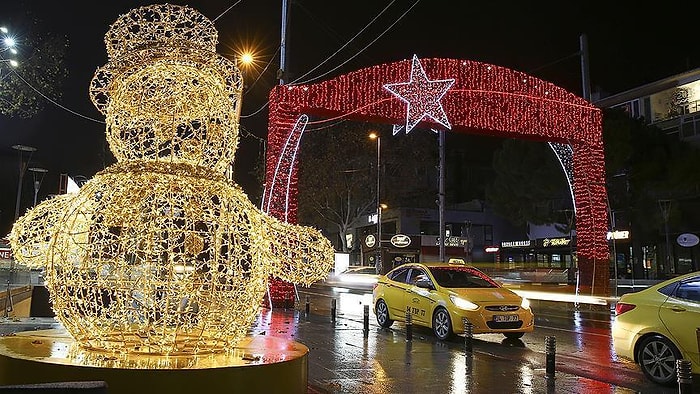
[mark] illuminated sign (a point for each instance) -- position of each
(516, 244)
(370, 241)
(373, 218)
(553, 242)
(454, 242)
(491, 249)
(688, 240)
(618, 234)
(400, 240)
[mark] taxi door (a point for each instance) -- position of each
(394, 292)
(418, 300)
(681, 316)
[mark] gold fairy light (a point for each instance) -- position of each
(161, 253)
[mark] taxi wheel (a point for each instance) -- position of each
(442, 324)
(382, 312)
(657, 356)
(513, 335)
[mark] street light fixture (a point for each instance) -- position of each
(247, 58)
(8, 44)
(38, 174)
(379, 263)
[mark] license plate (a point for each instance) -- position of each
(505, 318)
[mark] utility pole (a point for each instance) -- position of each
(585, 74)
(441, 192)
(665, 206)
(21, 149)
(281, 73)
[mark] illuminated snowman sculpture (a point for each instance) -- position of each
(161, 253)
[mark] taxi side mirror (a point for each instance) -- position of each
(425, 284)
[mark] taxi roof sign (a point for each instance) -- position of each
(457, 261)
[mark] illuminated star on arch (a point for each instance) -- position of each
(422, 96)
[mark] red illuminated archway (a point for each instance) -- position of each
(465, 97)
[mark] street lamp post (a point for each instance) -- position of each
(21, 149)
(613, 237)
(38, 174)
(379, 262)
(665, 206)
(441, 193)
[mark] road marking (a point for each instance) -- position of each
(575, 332)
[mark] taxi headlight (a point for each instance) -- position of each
(525, 303)
(461, 303)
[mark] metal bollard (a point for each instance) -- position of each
(468, 335)
(306, 307)
(409, 326)
(365, 321)
(550, 345)
(333, 303)
(9, 306)
(685, 376)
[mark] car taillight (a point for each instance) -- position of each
(621, 308)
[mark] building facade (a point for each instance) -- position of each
(473, 233)
(672, 105)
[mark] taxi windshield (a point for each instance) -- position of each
(461, 277)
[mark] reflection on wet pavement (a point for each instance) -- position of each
(343, 360)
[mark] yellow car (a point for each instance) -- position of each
(659, 325)
(444, 296)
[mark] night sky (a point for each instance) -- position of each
(629, 45)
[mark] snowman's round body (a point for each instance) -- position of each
(158, 264)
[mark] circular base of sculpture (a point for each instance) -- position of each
(259, 364)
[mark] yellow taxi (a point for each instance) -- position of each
(444, 296)
(659, 325)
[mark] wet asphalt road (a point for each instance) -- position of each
(346, 358)
(583, 347)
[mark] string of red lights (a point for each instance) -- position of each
(485, 99)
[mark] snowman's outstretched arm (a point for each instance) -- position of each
(298, 254)
(32, 233)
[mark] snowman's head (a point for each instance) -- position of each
(166, 94)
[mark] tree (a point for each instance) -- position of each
(529, 184)
(336, 177)
(338, 174)
(649, 165)
(39, 75)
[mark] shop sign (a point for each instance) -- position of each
(618, 234)
(554, 242)
(370, 241)
(454, 242)
(400, 240)
(516, 244)
(5, 253)
(688, 240)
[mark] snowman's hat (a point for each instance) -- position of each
(160, 32)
